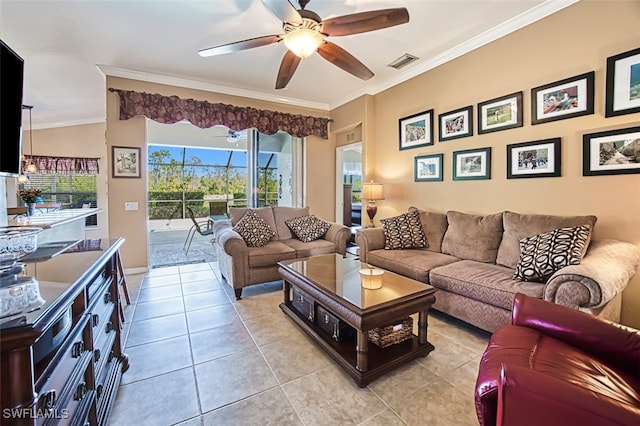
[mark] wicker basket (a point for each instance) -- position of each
(392, 334)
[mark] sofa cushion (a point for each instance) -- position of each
(473, 237)
(434, 226)
(412, 263)
(403, 231)
(544, 254)
(269, 254)
(484, 282)
(313, 248)
(266, 213)
(282, 214)
(254, 230)
(518, 226)
(308, 228)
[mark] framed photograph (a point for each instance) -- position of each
(427, 168)
(571, 97)
(623, 83)
(614, 152)
(416, 130)
(125, 162)
(500, 113)
(455, 124)
(534, 159)
(472, 164)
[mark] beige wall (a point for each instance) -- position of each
(131, 133)
(571, 42)
(86, 140)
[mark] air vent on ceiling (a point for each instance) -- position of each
(403, 61)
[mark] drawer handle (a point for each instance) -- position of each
(49, 399)
(311, 315)
(301, 299)
(335, 331)
(107, 298)
(77, 349)
(99, 390)
(95, 318)
(108, 328)
(96, 355)
(326, 319)
(81, 391)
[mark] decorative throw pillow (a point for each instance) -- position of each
(543, 254)
(404, 231)
(254, 230)
(308, 228)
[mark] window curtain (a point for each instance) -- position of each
(64, 165)
(172, 109)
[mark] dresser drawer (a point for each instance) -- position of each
(334, 326)
(102, 324)
(303, 303)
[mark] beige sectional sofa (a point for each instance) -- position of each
(471, 260)
(241, 265)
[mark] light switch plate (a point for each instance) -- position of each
(131, 205)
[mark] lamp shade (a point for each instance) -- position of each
(372, 191)
(303, 42)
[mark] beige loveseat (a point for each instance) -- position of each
(241, 265)
(471, 261)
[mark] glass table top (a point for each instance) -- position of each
(334, 274)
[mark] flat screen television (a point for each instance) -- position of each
(11, 80)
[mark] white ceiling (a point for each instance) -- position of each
(69, 46)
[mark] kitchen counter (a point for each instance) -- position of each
(60, 225)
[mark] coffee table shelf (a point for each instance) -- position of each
(363, 360)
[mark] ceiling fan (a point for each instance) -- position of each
(305, 32)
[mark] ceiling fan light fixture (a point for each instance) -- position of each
(303, 41)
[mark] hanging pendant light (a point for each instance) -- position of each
(31, 167)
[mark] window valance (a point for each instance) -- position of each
(172, 109)
(64, 165)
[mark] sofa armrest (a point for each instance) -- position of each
(614, 343)
(233, 244)
(220, 226)
(603, 273)
(526, 397)
(369, 239)
(339, 235)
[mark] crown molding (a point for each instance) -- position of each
(532, 15)
(208, 87)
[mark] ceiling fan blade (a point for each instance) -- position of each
(345, 60)
(284, 11)
(240, 45)
(365, 21)
(288, 66)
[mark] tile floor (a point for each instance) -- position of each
(199, 357)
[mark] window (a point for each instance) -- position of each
(73, 191)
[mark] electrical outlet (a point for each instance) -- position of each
(131, 205)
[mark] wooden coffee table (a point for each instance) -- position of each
(332, 283)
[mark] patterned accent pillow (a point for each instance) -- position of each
(404, 231)
(308, 228)
(543, 254)
(254, 230)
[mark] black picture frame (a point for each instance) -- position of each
(455, 124)
(416, 130)
(605, 153)
(500, 113)
(623, 84)
(472, 164)
(535, 159)
(567, 98)
(427, 168)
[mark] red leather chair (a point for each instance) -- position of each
(558, 366)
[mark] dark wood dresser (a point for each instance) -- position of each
(62, 363)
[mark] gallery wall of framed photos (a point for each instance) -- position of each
(517, 79)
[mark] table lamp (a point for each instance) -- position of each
(372, 192)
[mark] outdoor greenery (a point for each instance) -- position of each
(173, 186)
